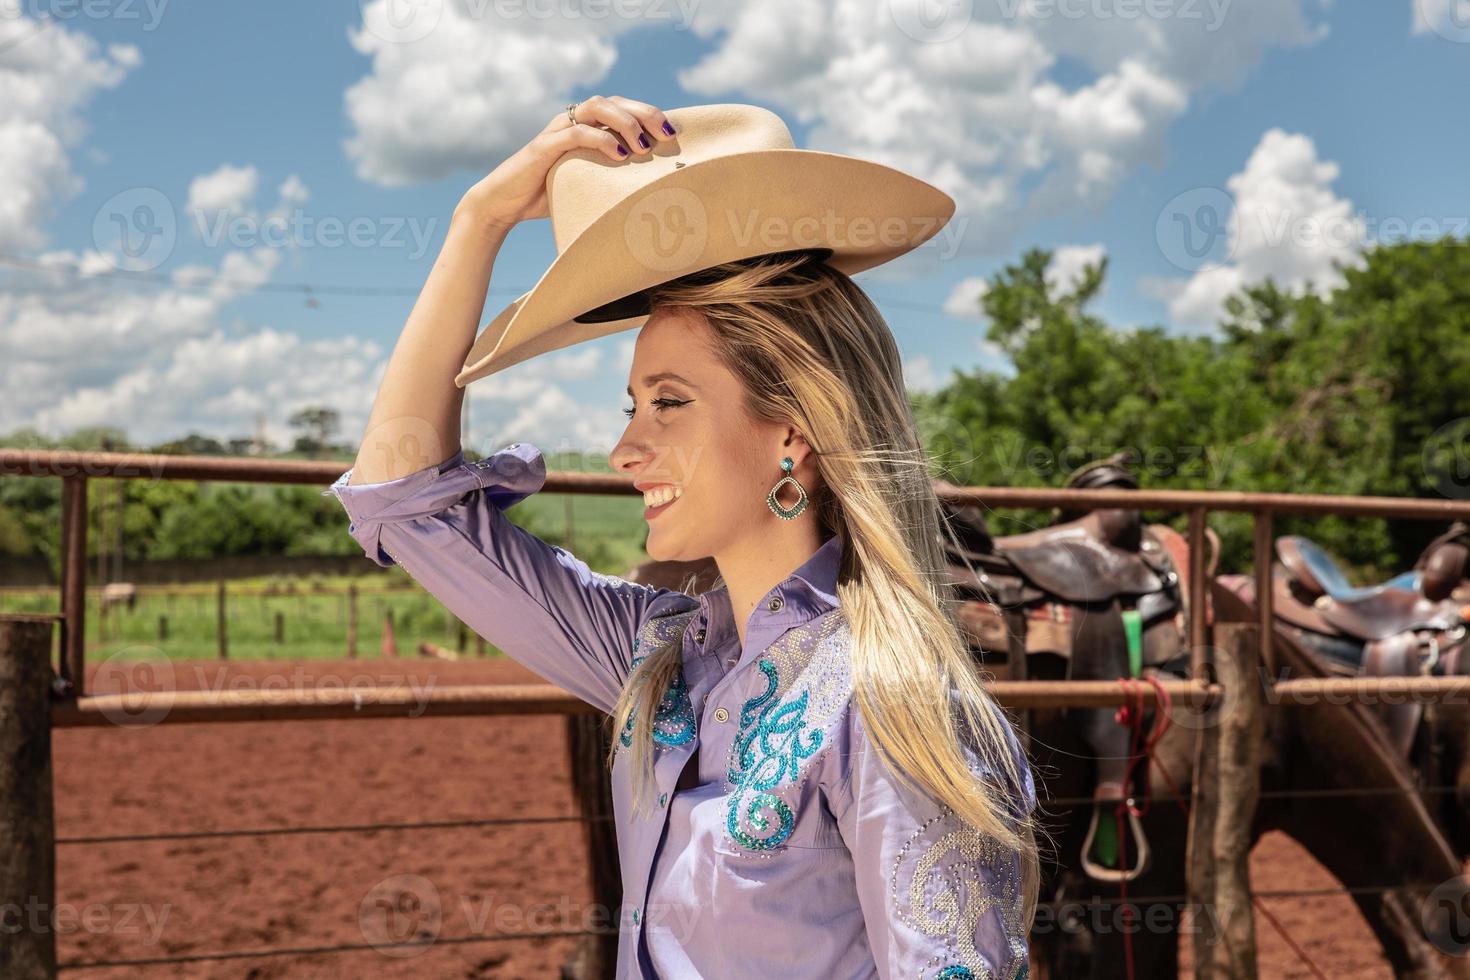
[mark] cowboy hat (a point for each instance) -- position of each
(729, 186)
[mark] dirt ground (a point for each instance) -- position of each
(318, 904)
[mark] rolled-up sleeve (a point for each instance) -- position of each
(446, 526)
(939, 899)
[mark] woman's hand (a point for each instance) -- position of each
(516, 190)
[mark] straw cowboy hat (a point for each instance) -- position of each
(730, 185)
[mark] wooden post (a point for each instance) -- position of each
(74, 582)
(219, 605)
(280, 627)
(588, 743)
(1227, 784)
(390, 642)
(480, 645)
(162, 628)
(1198, 593)
(352, 620)
(27, 814)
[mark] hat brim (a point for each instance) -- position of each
(865, 213)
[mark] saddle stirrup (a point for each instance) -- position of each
(1102, 872)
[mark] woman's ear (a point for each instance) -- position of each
(797, 448)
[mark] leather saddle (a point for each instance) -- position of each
(1423, 598)
(1100, 589)
(1414, 623)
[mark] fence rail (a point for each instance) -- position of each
(1227, 785)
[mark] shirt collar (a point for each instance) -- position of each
(805, 594)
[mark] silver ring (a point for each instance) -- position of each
(571, 112)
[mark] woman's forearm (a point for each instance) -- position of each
(414, 421)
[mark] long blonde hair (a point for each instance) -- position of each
(812, 351)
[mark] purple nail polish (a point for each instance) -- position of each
(667, 128)
(622, 150)
(643, 141)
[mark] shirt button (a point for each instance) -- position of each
(775, 604)
(663, 799)
(722, 715)
(635, 916)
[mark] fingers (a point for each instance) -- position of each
(651, 119)
(637, 123)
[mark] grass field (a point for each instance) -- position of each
(605, 531)
(314, 624)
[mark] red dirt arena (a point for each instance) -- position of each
(311, 904)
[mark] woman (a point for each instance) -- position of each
(760, 727)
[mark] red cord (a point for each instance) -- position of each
(1140, 750)
(1131, 713)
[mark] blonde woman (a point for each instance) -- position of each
(809, 778)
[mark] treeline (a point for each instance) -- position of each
(1365, 391)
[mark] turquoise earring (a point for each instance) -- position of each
(800, 504)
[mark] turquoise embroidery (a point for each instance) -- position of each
(673, 721)
(768, 751)
(957, 973)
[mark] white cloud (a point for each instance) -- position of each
(1067, 263)
(48, 74)
(919, 374)
(219, 385)
(228, 188)
(964, 298)
(570, 399)
(466, 85)
(978, 110)
(1287, 224)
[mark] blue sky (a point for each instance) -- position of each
(1071, 124)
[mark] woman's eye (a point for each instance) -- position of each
(659, 404)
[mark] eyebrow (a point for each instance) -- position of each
(653, 379)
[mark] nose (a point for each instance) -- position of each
(627, 456)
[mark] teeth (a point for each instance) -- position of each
(654, 496)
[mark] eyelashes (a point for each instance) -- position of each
(660, 404)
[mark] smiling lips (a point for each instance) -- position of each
(660, 494)
(657, 497)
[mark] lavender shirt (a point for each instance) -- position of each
(791, 850)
